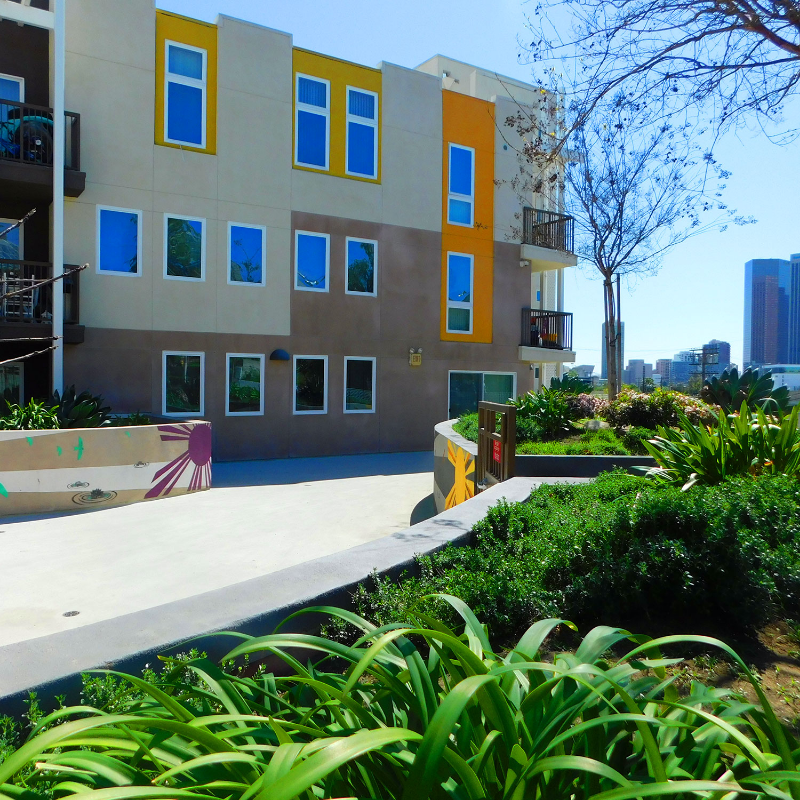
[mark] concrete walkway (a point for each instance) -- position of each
(260, 518)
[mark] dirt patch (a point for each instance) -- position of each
(774, 659)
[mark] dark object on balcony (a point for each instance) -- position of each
(26, 143)
(549, 329)
(34, 306)
(548, 229)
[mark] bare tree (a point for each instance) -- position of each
(729, 61)
(635, 185)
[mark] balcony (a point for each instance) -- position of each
(547, 240)
(31, 313)
(26, 151)
(546, 336)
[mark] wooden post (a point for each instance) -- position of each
(496, 448)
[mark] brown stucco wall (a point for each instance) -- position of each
(125, 366)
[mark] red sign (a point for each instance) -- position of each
(496, 451)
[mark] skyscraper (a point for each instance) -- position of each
(772, 311)
(664, 369)
(716, 357)
(620, 348)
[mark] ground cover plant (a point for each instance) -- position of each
(415, 711)
(624, 550)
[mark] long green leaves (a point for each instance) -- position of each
(414, 712)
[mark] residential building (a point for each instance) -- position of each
(317, 256)
(620, 348)
(772, 311)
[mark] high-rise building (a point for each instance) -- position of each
(664, 369)
(772, 311)
(620, 348)
(716, 357)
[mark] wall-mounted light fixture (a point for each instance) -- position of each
(415, 357)
(279, 355)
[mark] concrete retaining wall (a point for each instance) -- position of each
(454, 466)
(66, 470)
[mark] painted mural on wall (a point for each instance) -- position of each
(62, 470)
(454, 468)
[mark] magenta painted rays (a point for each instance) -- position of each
(198, 453)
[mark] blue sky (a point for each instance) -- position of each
(698, 295)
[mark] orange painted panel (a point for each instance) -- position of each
(470, 122)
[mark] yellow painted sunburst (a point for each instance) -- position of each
(464, 465)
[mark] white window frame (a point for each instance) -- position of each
(361, 121)
(20, 80)
(327, 238)
(202, 221)
(326, 112)
(478, 372)
(164, 412)
(21, 230)
(171, 77)
(451, 195)
(374, 361)
(139, 223)
(228, 412)
(374, 242)
(295, 412)
(263, 230)
(454, 304)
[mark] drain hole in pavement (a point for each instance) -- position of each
(71, 613)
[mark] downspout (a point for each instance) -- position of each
(59, 138)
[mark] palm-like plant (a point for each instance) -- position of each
(730, 390)
(739, 444)
(452, 720)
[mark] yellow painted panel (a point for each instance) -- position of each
(197, 34)
(470, 122)
(341, 74)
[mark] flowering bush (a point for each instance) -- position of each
(661, 407)
(583, 406)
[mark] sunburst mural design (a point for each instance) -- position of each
(198, 453)
(464, 466)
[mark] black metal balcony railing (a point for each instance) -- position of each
(550, 329)
(548, 229)
(35, 305)
(26, 135)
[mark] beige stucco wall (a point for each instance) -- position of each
(111, 82)
(80, 468)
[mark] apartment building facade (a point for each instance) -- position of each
(317, 256)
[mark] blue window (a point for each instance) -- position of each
(247, 253)
(459, 292)
(362, 266)
(362, 133)
(11, 245)
(13, 89)
(184, 248)
(185, 95)
(461, 187)
(312, 122)
(311, 261)
(119, 241)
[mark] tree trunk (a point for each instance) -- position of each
(611, 343)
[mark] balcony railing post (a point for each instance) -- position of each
(547, 229)
(548, 329)
(26, 134)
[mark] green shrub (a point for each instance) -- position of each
(634, 439)
(730, 390)
(660, 407)
(623, 550)
(546, 410)
(83, 410)
(131, 419)
(417, 712)
(592, 443)
(740, 444)
(569, 384)
(32, 417)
